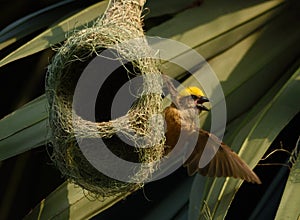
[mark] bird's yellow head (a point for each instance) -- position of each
(197, 95)
(192, 90)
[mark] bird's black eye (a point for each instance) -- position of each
(194, 97)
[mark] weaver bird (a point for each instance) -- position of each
(180, 120)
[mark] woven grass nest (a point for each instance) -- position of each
(120, 23)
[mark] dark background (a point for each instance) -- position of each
(28, 178)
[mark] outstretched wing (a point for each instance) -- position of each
(224, 163)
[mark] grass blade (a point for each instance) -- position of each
(56, 33)
(38, 20)
(289, 205)
(24, 129)
(69, 201)
(210, 31)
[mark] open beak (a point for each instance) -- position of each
(200, 102)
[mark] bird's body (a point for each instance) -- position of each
(181, 121)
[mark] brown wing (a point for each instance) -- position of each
(224, 163)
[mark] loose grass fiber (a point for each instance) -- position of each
(121, 22)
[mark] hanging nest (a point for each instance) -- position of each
(120, 23)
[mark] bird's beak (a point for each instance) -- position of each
(200, 101)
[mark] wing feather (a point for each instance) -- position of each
(224, 163)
